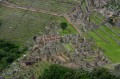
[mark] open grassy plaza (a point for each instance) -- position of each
(69, 30)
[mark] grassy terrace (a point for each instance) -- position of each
(69, 30)
(18, 26)
(112, 50)
(99, 15)
(83, 6)
(48, 5)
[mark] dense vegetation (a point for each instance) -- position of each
(63, 26)
(60, 72)
(8, 53)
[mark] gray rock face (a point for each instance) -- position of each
(0, 0)
(117, 22)
(117, 68)
(2, 77)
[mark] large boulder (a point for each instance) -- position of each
(117, 21)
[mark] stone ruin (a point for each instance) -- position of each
(97, 3)
(79, 15)
(51, 48)
(75, 14)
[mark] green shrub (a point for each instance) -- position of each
(63, 25)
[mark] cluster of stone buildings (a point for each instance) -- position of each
(106, 11)
(51, 48)
(80, 14)
(54, 51)
(97, 3)
(76, 14)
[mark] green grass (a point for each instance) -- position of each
(112, 51)
(98, 21)
(42, 66)
(99, 15)
(19, 30)
(83, 6)
(95, 19)
(116, 29)
(48, 5)
(69, 30)
(69, 47)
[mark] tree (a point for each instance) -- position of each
(61, 72)
(0, 23)
(101, 73)
(63, 25)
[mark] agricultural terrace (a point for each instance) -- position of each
(106, 37)
(83, 6)
(57, 6)
(20, 25)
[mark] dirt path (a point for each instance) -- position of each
(11, 5)
(73, 24)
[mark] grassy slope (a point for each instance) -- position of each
(49, 5)
(14, 30)
(42, 66)
(112, 51)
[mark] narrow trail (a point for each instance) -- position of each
(11, 5)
